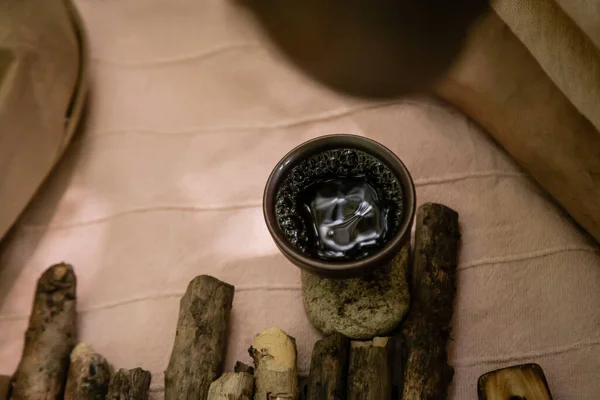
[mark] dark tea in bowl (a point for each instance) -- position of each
(339, 205)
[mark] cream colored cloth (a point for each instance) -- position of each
(189, 111)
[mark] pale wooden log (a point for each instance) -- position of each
(199, 348)
(50, 337)
(426, 331)
(89, 375)
(130, 384)
(520, 106)
(370, 370)
(329, 368)
(521, 382)
(275, 371)
(232, 386)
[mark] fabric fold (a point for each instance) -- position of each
(42, 84)
(567, 55)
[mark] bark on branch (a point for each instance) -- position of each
(427, 374)
(89, 375)
(130, 384)
(370, 370)
(199, 348)
(329, 368)
(50, 337)
(232, 386)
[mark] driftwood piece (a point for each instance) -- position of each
(50, 337)
(241, 367)
(516, 383)
(274, 354)
(232, 386)
(199, 348)
(89, 375)
(329, 368)
(303, 382)
(370, 369)
(4, 386)
(130, 384)
(398, 370)
(427, 374)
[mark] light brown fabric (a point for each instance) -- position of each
(39, 72)
(586, 14)
(564, 51)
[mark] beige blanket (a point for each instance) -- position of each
(189, 110)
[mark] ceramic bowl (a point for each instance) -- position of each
(338, 269)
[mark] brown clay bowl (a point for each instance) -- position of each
(346, 269)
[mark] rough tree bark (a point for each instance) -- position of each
(427, 374)
(370, 370)
(232, 386)
(130, 384)
(89, 375)
(303, 387)
(50, 337)
(329, 368)
(274, 354)
(199, 348)
(4, 385)
(241, 367)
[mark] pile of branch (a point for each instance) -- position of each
(49, 338)
(344, 369)
(52, 367)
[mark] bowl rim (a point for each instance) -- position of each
(348, 268)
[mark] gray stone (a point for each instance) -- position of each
(359, 308)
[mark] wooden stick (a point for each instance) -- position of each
(274, 354)
(398, 370)
(232, 386)
(199, 348)
(519, 382)
(241, 367)
(130, 384)
(50, 337)
(370, 369)
(5, 383)
(427, 374)
(89, 375)
(328, 368)
(303, 382)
